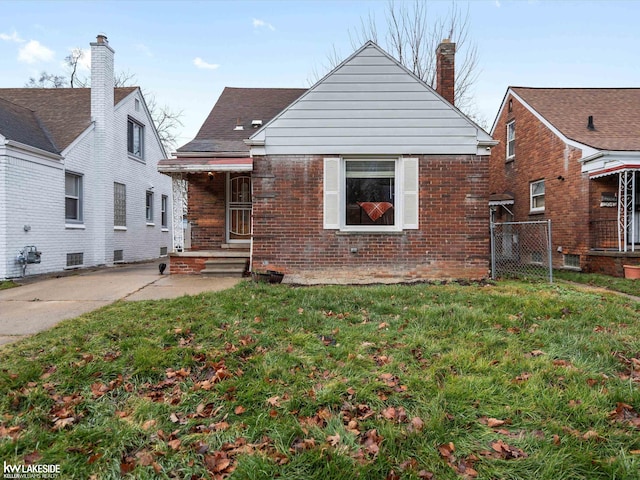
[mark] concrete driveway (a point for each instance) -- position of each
(41, 303)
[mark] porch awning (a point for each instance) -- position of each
(613, 170)
(497, 199)
(205, 164)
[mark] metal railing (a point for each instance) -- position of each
(604, 234)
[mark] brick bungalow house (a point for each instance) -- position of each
(368, 175)
(78, 175)
(572, 155)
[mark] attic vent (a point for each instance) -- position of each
(238, 125)
(256, 123)
(590, 125)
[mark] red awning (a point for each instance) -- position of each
(205, 164)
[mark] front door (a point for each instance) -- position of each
(238, 208)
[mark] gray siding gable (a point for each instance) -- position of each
(370, 104)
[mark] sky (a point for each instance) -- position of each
(185, 53)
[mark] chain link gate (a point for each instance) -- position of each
(521, 250)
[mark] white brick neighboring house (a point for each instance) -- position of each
(68, 159)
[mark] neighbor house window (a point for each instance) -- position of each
(369, 195)
(73, 197)
(370, 192)
(163, 210)
(511, 140)
(75, 259)
(135, 138)
(537, 196)
(119, 205)
(149, 206)
(572, 261)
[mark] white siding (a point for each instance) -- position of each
(32, 193)
(370, 105)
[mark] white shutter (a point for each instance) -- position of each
(410, 194)
(331, 186)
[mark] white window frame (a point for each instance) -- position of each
(406, 195)
(78, 181)
(115, 206)
(134, 126)
(164, 214)
(396, 227)
(511, 140)
(148, 202)
(533, 196)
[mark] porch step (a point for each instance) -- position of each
(224, 267)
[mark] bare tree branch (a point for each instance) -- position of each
(412, 37)
(47, 80)
(73, 60)
(166, 120)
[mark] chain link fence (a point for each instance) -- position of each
(521, 250)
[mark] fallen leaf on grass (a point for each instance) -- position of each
(625, 413)
(32, 458)
(218, 463)
(506, 451)
(174, 444)
(333, 439)
(239, 410)
(416, 425)
(145, 458)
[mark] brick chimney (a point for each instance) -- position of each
(445, 70)
(102, 115)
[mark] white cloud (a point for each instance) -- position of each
(13, 37)
(497, 2)
(33, 51)
(257, 23)
(198, 62)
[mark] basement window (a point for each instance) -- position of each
(572, 261)
(75, 259)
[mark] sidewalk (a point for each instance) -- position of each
(41, 303)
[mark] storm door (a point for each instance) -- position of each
(238, 207)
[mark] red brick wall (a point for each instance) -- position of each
(186, 265)
(611, 264)
(206, 210)
(453, 240)
(539, 154)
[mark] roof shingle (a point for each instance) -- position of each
(64, 112)
(21, 125)
(615, 112)
(239, 106)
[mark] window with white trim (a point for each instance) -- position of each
(537, 196)
(370, 189)
(511, 140)
(163, 210)
(370, 195)
(72, 197)
(149, 206)
(135, 138)
(119, 205)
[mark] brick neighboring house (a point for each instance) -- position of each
(368, 175)
(572, 155)
(78, 175)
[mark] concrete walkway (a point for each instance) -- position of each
(40, 303)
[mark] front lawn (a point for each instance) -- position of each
(506, 381)
(5, 284)
(624, 285)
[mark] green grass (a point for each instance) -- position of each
(5, 284)
(514, 380)
(624, 285)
